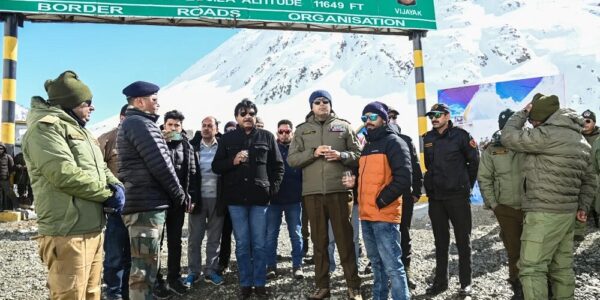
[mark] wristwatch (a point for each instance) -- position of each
(344, 156)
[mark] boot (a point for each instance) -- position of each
(517, 290)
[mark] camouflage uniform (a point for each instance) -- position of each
(145, 234)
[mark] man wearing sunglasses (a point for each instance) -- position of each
(451, 159)
(591, 132)
(289, 201)
(251, 168)
(385, 176)
(324, 147)
(72, 186)
(559, 185)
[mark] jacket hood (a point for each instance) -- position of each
(566, 117)
(41, 108)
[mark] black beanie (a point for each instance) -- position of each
(504, 116)
(378, 108)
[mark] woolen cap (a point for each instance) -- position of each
(317, 94)
(67, 90)
(588, 114)
(543, 107)
(378, 108)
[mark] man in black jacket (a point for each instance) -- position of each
(451, 159)
(184, 161)
(151, 185)
(411, 197)
(252, 169)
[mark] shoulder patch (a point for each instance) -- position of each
(427, 145)
(49, 119)
(305, 132)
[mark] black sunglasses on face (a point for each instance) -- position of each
(436, 115)
(588, 121)
(318, 102)
(286, 131)
(393, 117)
(244, 113)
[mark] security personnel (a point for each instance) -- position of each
(451, 159)
(500, 178)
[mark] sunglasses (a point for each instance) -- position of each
(588, 121)
(393, 117)
(318, 102)
(286, 131)
(372, 117)
(244, 113)
(436, 115)
(88, 102)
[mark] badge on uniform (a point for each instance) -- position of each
(427, 145)
(309, 132)
(337, 128)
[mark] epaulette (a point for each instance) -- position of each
(301, 124)
(49, 119)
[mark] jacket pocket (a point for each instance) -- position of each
(264, 186)
(260, 153)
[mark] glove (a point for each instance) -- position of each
(117, 200)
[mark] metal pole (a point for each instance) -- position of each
(9, 81)
(420, 87)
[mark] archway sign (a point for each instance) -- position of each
(410, 18)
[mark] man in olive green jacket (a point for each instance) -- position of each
(71, 184)
(591, 132)
(596, 164)
(500, 178)
(559, 184)
(324, 147)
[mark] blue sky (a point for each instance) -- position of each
(108, 57)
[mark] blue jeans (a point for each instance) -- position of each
(293, 218)
(382, 241)
(117, 258)
(250, 232)
(355, 234)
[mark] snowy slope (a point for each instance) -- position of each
(477, 42)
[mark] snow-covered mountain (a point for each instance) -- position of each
(477, 42)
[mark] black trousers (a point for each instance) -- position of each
(407, 213)
(457, 211)
(225, 253)
(174, 223)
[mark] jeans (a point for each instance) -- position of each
(355, 235)
(382, 241)
(293, 218)
(117, 258)
(250, 232)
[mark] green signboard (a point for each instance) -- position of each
(393, 14)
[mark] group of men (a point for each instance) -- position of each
(140, 180)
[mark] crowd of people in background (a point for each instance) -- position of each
(105, 205)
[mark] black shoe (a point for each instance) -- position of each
(161, 293)
(261, 291)
(309, 261)
(320, 294)
(436, 288)
(465, 290)
(177, 287)
(221, 270)
(271, 273)
(246, 292)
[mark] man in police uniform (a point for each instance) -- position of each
(451, 159)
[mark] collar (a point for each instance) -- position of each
(214, 142)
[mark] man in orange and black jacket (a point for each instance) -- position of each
(385, 175)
